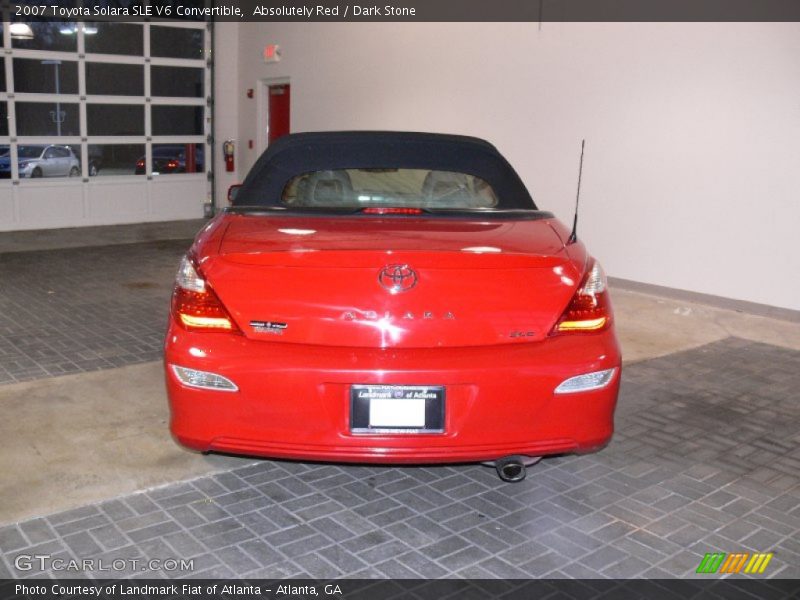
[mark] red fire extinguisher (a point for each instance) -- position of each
(227, 150)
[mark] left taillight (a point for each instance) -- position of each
(589, 310)
(195, 306)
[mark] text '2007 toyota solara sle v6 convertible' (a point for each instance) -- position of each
(381, 297)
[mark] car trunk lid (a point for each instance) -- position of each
(391, 282)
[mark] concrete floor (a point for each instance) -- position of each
(650, 326)
(77, 237)
(84, 438)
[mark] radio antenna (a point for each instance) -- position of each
(573, 237)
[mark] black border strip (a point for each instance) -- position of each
(532, 11)
(385, 589)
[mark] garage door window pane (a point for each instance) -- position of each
(50, 35)
(114, 38)
(177, 120)
(174, 42)
(169, 159)
(176, 81)
(116, 159)
(115, 119)
(47, 118)
(114, 79)
(48, 160)
(42, 76)
(5, 161)
(3, 118)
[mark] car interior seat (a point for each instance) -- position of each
(327, 188)
(443, 189)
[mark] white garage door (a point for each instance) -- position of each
(103, 123)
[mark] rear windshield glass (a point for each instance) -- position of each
(412, 188)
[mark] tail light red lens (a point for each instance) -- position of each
(589, 310)
(195, 306)
(390, 210)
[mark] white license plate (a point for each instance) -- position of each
(389, 412)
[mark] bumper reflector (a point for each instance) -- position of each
(586, 382)
(203, 379)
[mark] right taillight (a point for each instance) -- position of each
(589, 310)
(195, 306)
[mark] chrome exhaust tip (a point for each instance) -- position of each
(512, 472)
(512, 469)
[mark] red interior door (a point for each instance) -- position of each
(278, 111)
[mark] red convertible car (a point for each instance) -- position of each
(385, 297)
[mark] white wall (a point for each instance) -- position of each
(227, 94)
(692, 167)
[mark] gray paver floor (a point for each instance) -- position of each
(83, 309)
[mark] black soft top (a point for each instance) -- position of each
(301, 153)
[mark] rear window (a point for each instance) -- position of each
(411, 188)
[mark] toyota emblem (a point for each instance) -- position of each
(397, 278)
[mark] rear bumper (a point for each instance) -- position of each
(294, 400)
